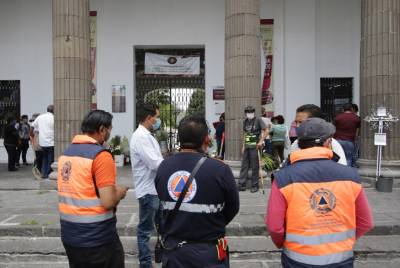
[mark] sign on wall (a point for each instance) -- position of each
(219, 100)
(171, 65)
(267, 92)
(93, 48)
(118, 98)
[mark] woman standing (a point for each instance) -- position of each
(279, 133)
(11, 143)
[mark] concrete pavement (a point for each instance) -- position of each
(29, 226)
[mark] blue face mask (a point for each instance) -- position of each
(157, 124)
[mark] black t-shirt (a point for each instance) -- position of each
(210, 204)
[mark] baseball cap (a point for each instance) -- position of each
(249, 109)
(315, 129)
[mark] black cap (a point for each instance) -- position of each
(249, 109)
(316, 129)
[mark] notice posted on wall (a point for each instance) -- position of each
(118, 98)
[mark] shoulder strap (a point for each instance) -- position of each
(182, 195)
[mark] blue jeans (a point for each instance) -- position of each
(48, 158)
(148, 208)
(348, 148)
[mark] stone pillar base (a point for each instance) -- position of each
(391, 169)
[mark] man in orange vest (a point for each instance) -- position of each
(317, 207)
(88, 197)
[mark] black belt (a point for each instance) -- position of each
(183, 242)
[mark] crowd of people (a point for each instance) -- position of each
(316, 209)
(39, 132)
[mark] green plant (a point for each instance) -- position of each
(115, 145)
(125, 146)
(268, 162)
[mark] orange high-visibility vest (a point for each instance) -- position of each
(78, 200)
(320, 217)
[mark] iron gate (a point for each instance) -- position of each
(176, 96)
(334, 93)
(9, 102)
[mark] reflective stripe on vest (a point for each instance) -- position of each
(83, 203)
(319, 260)
(86, 218)
(195, 208)
(320, 239)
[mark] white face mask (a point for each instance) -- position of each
(250, 115)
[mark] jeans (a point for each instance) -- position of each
(22, 150)
(348, 148)
(110, 255)
(148, 208)
(250, 159)
(48, 158)
(268, 146)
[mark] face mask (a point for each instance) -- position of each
(157, 124)
(250, 115)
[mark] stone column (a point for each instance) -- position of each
(71, 68)
(380, 80)
(242, 69)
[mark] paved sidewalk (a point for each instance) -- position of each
(30, 211)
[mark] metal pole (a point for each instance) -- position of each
(379, 151)
(170, 117)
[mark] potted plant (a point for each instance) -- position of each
(115, 147)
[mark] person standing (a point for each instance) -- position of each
(44, 123)
(145, 158)
(309, 111)
(88, 197)
(317, 208)
(267, 137)
(278, 133)
(194, 235)
(34, 137)
(23, 131)
(254, 129)
(11, 142)
(347, 128)
(220, 136)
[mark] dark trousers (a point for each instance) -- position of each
(278, 148)
(220, 153)
(197, 255)
(38, 160)
(22, 150)
(250, 160)
(12, 155)
(48, 158)
(110, 255)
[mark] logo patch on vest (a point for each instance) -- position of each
(66, 171)
(322, 201)
(176, 183)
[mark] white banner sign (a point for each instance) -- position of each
(171, 65)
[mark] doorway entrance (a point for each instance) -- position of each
(335, 92)
(10, 102)
(176, 95)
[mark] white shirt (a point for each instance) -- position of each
(336, 147)
(44, 124)
(145, 158)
